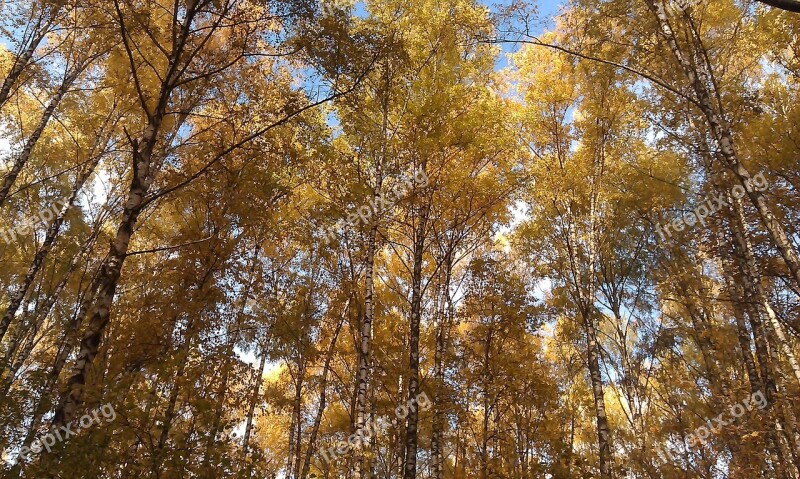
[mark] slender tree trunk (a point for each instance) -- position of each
(294, 430)
(485, 441)
(16, 298)
(312, 440)
(586, 292)
(486, 379)
(44, 23)
(437, 430)
(365, 346)
(410, 468)
(598, 394)
(701, 329)
(446, 316)
(172, 402)
(22, 158)
(73, 324)
(397, 441)
(253, 401)
(222, 392)
(40, 315)
(743, 334)
(216, 422)
(783, 341)
(42, 403)
(756, 466)
(297, 456)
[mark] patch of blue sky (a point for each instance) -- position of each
(360, 9)
(547, 10)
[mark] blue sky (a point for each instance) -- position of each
(546, 11)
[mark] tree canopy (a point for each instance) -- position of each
(437, 239)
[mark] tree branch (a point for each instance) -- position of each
(788, 5)
(643, 74)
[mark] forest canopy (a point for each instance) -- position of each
(435, 239)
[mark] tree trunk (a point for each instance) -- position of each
(142, 175)
(63, 351)
(109, 273)
(788, 5)
(44, 22)
(172, 402)
(312, 440)
(754, 296)
(221, 393)
(297, 456)
(783, 341)
(22, 158)
(446, 317)
(487, 386)
(40, 316)
(699, 77)
(295, 429)
(365, 347)
(217, 419)
(603, 429)
(410, 468)
(743, 334)
(701, 328)
(253, 401)
(16, 298)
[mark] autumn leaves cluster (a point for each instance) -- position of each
(254, 229)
